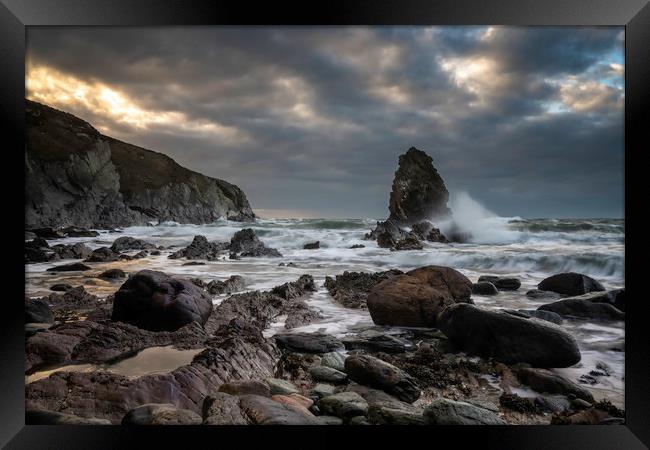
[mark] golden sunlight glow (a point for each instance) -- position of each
(59, 90)
(480, 76)
(590, 96)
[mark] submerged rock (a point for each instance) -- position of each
(418, 191)
(112, 274)
(155, 301)
(60, 287)
(417, 297)
(508, 338)
(536, 294)
(311, 245)
(570, 283)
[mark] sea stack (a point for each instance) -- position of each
(418, 192)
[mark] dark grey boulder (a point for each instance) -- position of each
(344, 405)
(546, 381)
(502, 284)
(200, 248)
(308, 342)
(125, 243)
(549, 316)
(103, 254)
(311, 245)
(570, 283)
(536, 294)
(443, 411)
(508, 338)
(585, 309)
(155, 301)
(246, 243)
(235, 283)
(61, 287)
(374, 372)
(484, 288)
(327, 374)
(112, 274)
(161, 414)
(38, 311)
(74, 267)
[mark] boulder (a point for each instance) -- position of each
(502, 284)
(74, 267)
(246, 387)
(161, 414)
(508, 338)
(334, 360)
(200, 248)
(584, 308)
(385, 415)
(443, 411)
(246, 243)
(321, 390)
(79, 232)
(220, 408)
(235, 283)
(344, 405)
(387, 233)
(264, 411)
(484, 288)
(570, 283)
(74, 251)
(323, 373)
(357, 246)
(549, 382)
(408, 243)
(549, 316)
(281, 387)
(37, 311)
(125, 243)
(373, 341)
(47, 233)
(311, 245)
(112, 274)
(417, 297)
(418, 191)
(103, 254)
(157, 302)
(308, 342)
(374, 372)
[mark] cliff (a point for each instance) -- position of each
(77, 176)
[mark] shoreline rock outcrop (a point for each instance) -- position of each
(76, 176)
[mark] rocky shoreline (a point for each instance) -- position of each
(433, 357)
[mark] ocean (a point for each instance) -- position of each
(528, 249)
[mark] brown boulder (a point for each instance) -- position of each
(417, 297)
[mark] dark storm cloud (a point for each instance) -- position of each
(527, 120)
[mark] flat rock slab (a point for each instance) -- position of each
(308, 342)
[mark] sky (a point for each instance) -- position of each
(310, 121)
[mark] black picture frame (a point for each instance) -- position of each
(16, 15)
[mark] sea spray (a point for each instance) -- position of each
(480, 225)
